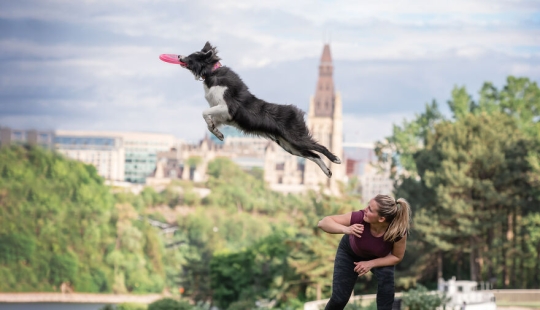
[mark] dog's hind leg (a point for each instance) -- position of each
(214, 117)
(306, 154)
(322, 149)
(317, 159)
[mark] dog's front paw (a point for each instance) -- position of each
(328, 173)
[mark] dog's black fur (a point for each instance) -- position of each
(284, 124)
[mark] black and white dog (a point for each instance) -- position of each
(231, 103)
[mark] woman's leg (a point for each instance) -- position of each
(344, 276)
(385, 287)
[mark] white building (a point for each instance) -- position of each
(117, 156)
(361, 162)
(465, 295)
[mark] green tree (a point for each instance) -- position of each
(16, 247)
(472, 182)
(169, 304)
(258, 272)
(84, 238)
(461, 103)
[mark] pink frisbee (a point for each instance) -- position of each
(171, 58)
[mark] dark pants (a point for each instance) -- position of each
(345, 278)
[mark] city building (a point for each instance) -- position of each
(43, 138)
(362, 164)
(117, 156)
(103, 151)
(190, 161)
(283, 171)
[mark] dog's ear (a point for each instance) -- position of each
(209, 54)
(207, 47)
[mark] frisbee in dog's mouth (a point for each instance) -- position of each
(173, 59)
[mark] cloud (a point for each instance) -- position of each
(93, 65)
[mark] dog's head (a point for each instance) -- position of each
(200, 63)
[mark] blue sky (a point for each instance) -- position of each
(93, 65)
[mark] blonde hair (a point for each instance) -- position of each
(397, 213)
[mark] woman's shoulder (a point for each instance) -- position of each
(357, 217)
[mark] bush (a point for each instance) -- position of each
(421, 299)
(242, 305)
(16, 247)
(131, 306)
(124, 306)
(169, 304)
(191, 198)
(64, 268)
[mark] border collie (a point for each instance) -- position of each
(231, 103)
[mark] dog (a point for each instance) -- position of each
(231, 103)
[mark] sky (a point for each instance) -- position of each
(93, 65)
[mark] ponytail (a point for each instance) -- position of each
(397, 213)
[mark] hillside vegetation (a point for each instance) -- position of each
(473, 180)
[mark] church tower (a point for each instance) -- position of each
(326, 125)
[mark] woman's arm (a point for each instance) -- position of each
(340, 224)
(396, 256)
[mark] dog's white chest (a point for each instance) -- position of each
(214, 95)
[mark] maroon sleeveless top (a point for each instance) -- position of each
(368, 246)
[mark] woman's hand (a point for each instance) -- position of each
(362, 267)
(355, 229)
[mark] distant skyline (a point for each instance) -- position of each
(93, 65)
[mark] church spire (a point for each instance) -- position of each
(324, 94)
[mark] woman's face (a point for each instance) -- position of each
(371, 213)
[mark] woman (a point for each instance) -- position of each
(375, 240)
